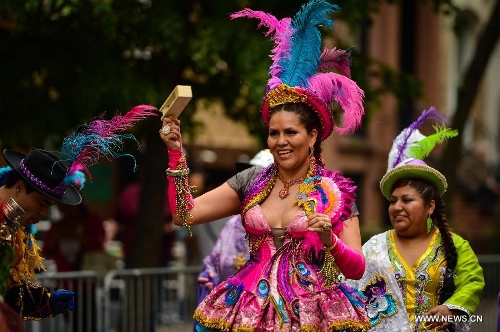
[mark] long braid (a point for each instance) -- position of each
(449, 250)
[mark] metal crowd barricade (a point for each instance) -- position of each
(150, 300)
(87, 316)
(487, 310)
(164, 299)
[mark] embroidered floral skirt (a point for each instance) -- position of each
(281, 297)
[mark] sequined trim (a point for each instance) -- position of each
(260, 188)
(284, 94)
(223, 325)
(422, 302)
(457, 307)
(254, 242)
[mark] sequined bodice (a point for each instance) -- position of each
(256, 223)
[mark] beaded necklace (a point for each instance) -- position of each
(287, 184)
(260, 188)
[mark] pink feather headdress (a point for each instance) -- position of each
(301, 72)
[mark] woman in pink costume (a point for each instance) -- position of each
(300, 218)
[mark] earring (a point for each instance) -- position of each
(312, 159)
(429, 224)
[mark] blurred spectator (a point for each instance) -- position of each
(76, 242)
(9, 319)
(228, 255)
(125, 215)
(113, 247)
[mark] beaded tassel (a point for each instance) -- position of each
(330, 270)
(183, 197)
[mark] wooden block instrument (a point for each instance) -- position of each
(177, 101)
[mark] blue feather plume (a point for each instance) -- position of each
(303, 59)
(3, 173)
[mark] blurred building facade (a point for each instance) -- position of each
(411, 37)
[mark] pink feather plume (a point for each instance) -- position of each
(99, 138)
(341, 89)
(282, 37)
(335, 59)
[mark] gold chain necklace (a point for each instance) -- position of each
(287, 183)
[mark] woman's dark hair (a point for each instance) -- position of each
(308, 118)
(428, 193)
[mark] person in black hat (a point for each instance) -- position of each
(29, 186)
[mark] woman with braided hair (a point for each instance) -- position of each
(419, 276)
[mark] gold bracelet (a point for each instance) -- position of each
(177, 172)
(330, 248)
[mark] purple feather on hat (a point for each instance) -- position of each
(411, 135)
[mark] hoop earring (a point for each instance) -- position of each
(429, 224)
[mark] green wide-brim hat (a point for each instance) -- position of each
(412, 168)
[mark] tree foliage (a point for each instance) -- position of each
(66, 61)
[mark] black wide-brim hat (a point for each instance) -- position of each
(45, 172)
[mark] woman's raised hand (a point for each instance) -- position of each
(170, 133)
(321, 224)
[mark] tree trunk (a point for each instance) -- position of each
(150, 219)
(466, 95)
